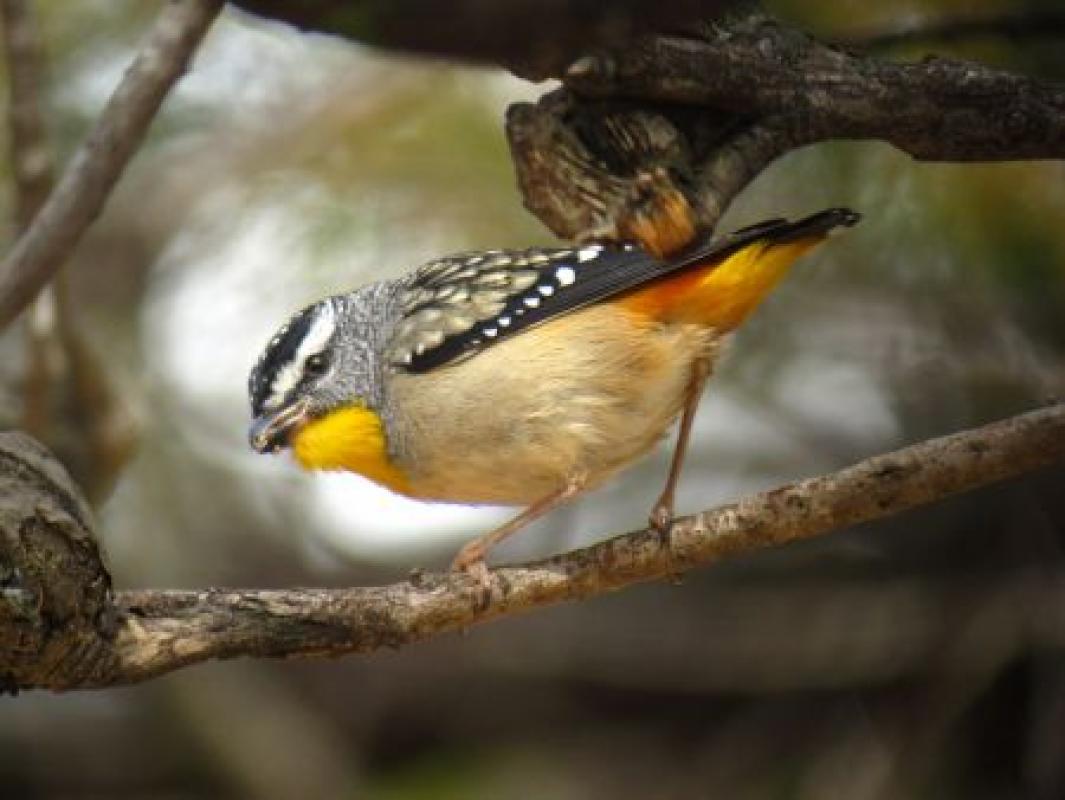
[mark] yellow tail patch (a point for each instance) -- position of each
(351, 438)
(729, 292)
(720, 294)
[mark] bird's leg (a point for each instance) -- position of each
(662, 513)
(470, 558)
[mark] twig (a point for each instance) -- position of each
(148, 633)
(68, 400)
(88, 179)
(31, 155)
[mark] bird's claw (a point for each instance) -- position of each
(471, 563)
(661, 520)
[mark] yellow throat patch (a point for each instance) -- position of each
(351, 438)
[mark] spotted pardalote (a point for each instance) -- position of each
(519, 377)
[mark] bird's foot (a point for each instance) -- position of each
(470, 561)
(661, 522)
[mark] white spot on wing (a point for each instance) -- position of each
(546, 290)
(565, 276)
(532, 302)
(589, 252)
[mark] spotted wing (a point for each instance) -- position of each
(454, 307)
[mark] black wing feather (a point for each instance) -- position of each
(552, 283)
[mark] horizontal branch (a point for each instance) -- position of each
(937, 109)
(730, 93)
(148, 633)
(536, 39)
(707, 111)
(87, 181)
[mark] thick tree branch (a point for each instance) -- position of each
(591, 168)
(88, 179)
(696, 106)
(536, 39)
(56, 601)
(55, 593)
(938, 109)
(735, 96)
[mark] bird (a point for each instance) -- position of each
(517, 377)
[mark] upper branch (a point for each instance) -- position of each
(142, 634)
(88, 179)
(535, 39)
(938, 109)
(695, 104)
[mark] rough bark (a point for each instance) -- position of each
(937, 109)
(696, 103)
(61, 628)
(56, 610)
(709, 111)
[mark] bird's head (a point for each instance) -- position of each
(316, 387)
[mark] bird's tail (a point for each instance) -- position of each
(718, 283)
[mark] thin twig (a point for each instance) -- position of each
(32, 164)
(31, 156)
(88, 179)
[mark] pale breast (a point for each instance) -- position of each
(585, 394)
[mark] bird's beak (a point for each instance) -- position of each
(270, 432)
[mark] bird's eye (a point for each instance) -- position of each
(316, 364)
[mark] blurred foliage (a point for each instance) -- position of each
(897, 660)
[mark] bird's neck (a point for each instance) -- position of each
(350, 438)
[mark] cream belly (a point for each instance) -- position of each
(581, 396)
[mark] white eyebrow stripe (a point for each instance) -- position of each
(314, 341)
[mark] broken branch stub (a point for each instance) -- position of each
(55, 591)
